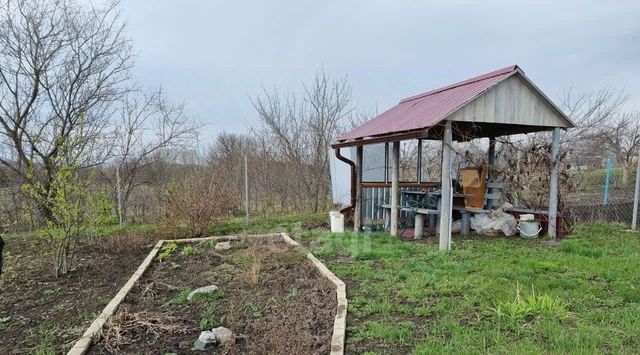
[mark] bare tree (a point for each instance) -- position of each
(621, 137)
(61, 69)
(301, 129)
(590, 111)
(147, 128)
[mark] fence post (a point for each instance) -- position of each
(607, 180)
(636, 196)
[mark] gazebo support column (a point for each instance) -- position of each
(357, 212)
(446, 198)
(395, 188)
(553, 184)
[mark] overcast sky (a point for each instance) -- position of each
(213, 55)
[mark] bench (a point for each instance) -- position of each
(418, 222)
(491, 199)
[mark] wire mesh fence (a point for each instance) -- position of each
(602, 192)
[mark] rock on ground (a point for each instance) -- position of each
(224, 336)
(223, 246)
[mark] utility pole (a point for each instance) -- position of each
(246, 191)
(119, 202)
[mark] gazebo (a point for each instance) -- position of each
(500, 103)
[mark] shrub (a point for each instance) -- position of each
(200, 198)
(530, 307)
(71, 210)
(167, 250)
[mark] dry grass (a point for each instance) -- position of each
(253, 274)
(124, 327)
(123, 243)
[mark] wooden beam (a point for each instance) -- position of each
(423, 185)
(447, 195)
(357, 214)
(553, 184)
(395, 137)
(395, 189)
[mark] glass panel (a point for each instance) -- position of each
(431, 160)
(373, 159)
(409, 161)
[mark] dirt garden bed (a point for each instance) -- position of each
(270, 296)
(43, 314)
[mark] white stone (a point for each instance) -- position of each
(223, 246)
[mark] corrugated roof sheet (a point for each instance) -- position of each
(429, 108)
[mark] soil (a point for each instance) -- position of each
(39, 311)
(270, 296)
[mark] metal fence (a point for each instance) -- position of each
(602, 192)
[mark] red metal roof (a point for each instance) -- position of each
(429, 108)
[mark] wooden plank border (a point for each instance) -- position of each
(337, 341)
(340, 322)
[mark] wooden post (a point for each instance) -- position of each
(395, 190)
(357, 214)
(553, 184)
(446, 198)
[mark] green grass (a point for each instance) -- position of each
(490, 295)
(42, 340)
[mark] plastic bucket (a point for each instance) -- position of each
(529, 229)
(337, 222)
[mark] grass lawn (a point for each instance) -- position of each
(579, 296)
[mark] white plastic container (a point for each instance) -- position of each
(529, 229)
(337, 222)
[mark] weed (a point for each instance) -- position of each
(293, 293)
(167, 250)
(255, 310)
(180, 299)
(190, 250)
(530, 307)
(50, 291)
(44, 335)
